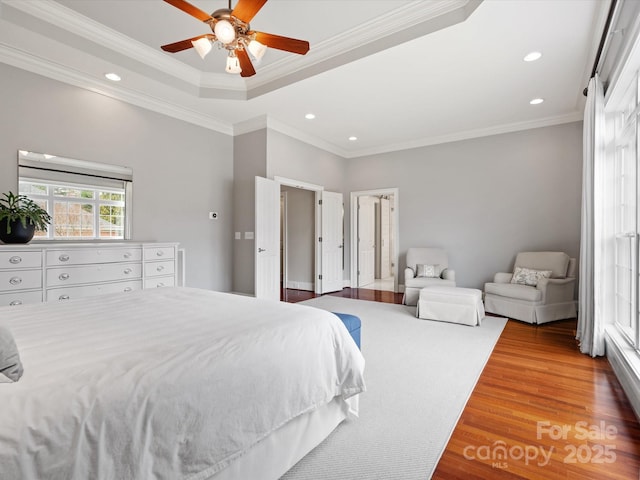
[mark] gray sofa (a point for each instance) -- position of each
(414, 281)
(541, 288)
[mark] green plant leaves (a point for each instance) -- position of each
(20, 207)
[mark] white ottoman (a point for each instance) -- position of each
(451, 304)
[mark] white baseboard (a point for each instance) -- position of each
(626, 365)
(309, 286)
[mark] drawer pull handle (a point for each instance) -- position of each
(160, 253)
(15, 281)
(128, 289)
(63, 276)
(160, 268)
(127, 271)
(127, 255)
(63, 297)
(16, 302)
(15, 259)
(160, 285)
(63, 258)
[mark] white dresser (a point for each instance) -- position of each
(36, 273)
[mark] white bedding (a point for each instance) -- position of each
(169, 383)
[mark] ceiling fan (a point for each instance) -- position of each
(231, 31)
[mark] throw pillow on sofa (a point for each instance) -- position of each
(529, 276)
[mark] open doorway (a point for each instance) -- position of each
(374, 239)
(297, 239)
(312, 237)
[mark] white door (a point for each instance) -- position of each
(366, 241)
(267, 239)
(332, 215)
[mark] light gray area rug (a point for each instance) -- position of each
(419, 375)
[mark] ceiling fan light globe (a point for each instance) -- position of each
(233, 65)
(202, 46)
(225, 32)
(257, 49)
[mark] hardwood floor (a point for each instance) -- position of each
(540, 409)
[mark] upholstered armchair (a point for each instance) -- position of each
(541, 288)
(426, 267)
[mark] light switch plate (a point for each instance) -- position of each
(248, 235)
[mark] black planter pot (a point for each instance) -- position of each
(19, 234)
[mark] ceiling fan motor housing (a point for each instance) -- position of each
(241, 28)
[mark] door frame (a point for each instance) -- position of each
(283, 237)
(289, 182)
(354, 232)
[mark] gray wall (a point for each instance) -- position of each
(291, 158)
(484, 199)
(250, 160)
(268, 153)
(181, 171)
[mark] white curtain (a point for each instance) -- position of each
(590, 330)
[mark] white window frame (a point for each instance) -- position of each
(626, 183)
(56, 171)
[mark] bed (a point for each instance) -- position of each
(173, 383)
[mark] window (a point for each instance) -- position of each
(624, 153)
(86, 200)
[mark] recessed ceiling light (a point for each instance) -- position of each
(114, 77)
(352, 138)
(532, 56)
(536, 101)
(309, 116)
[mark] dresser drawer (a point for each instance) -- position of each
(81, 256)
(91, 290)
(159, 253)
(20, 259)
(20, 298)
(92, 273)
(155, 269)
(20, 280)
(157, 282)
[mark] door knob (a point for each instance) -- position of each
(260, 250)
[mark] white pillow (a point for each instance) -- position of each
(10, 365)
(429, 271)
(529, 276)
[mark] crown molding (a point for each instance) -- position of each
(405, 23)
(306, 138)
(414, 14)
(68, 19)
(251, 125)
(470, 134)
(384, 32)
(63, 73)
(405, 17)
(264, 121)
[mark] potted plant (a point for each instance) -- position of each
(20, 217)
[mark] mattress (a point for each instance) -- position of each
(172, 383)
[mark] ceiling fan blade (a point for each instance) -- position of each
(283, 43)
(245, 64)
(184, 44)
(245, 10)
(190, 9)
